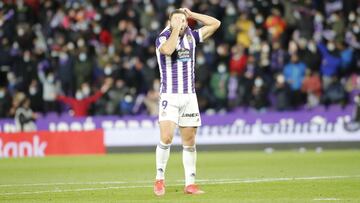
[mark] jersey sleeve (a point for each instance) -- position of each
(197, 35)
(161, 39)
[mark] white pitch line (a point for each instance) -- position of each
(73, 190)
(226, 180)
(326, 199)
(204, 182)
(284, 179)
(71, 183)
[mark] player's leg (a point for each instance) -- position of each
(189, 153)
(168, 117)
(162, 155)
(189, 121)
(188, 135)
(167, 129)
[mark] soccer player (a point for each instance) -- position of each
(178, 106)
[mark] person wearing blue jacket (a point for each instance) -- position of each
(294, 73)
(330, 63)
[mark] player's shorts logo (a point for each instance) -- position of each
(163, 114)
(190, 115)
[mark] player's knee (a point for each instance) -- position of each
(189, 140)
(167, 138)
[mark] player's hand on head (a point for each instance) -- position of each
(187, 11)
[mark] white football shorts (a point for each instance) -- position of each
(183, 109)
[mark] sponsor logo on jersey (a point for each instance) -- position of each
(183, 54)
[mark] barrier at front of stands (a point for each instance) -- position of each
(45, 143)
(95, 135)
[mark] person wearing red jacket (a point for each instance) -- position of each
(238, 60)
(81, 105)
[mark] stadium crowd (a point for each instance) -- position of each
(279, 55)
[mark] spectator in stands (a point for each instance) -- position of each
(152, 99)
(83, 66)
(50, 88)
(35, 96)
(229, 24)
(66, 71)
(81, 103)
(278, 56)
(245, 28)
(275, 24)
(218, 84)
(305, 18)
(312, 88)
(335, 93)
(352, 39)
(294, 73)
(238, 60)
(5, 103)
(246, 83)
(330, 64)
(128, 103)
(281, 94)
(309, 54)
(346, 54)
(24, 116)
(259, 95)
(233, 86)
(357, 109)
(115, 95)
(24, 69)
(337, 25)
(264, 58)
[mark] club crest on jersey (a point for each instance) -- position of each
(183, 54)
(189, 38)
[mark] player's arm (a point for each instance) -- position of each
(169, 46)
(211, 24)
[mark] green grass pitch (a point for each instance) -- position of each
(283, 176)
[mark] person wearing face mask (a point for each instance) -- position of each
(309, 54)
(238, 60)
(229, 27)
(24, 69)
(175, 51)
(65, 71)
(218, 84)
(294, 73)
(50, 88)
(330, 63)
(35, 96)
(82, 101)
(24, 117)
(82, 68)
(259, 95)
(114, 96)
(312, 88)
(281, 93)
